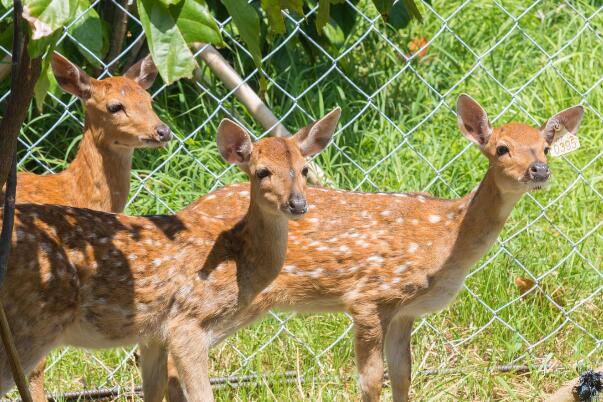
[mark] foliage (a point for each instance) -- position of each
(403, 139)
(172, 26)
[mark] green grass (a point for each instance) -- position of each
(407, 101)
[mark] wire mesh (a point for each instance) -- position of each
(397, 132)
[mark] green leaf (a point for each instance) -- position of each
(247, 21)
(170, 2)
(323, 14)
(294, 5)
(46, 82)
(38, 47)
(412, 9)
(46, 16)
(399, 17)
(275, 18)
(42, 86)
(384, 7)
(88, 31)
(342, 20)
(8, 4)
(167, 45)
(196, 23)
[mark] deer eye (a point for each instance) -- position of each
(546, 150)
(262, 173)
(305, 171)
(501, 150)
(115, 107)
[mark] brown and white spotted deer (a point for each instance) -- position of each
(95, 279)
(119, 118)
(388, 258)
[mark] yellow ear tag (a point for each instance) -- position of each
(564, 142)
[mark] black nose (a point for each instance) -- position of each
(539, 171)
(297, 204)
(163, 132)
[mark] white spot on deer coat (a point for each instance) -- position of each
(401, 268)
(316, 273)
(344, 249)
(434, 218)
(362, 243)
(412, 247)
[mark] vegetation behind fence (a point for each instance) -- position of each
(522, 61)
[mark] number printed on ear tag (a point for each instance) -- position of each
(565, 144)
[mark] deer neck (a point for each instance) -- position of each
(101, 173)
(262, 238)
(485, 211)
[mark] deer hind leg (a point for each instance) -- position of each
(397, 351)
(188, 345)
(175, 393)
(29, 354)
(36, 382)
(368, 345)
(153, 363)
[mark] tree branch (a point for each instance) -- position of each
(25, 73)
(120, 25)
(23, 78)
(253, 103)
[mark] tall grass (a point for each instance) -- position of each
(401, 137)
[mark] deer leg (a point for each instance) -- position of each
(189, 349)
(368, 344)
(36, 382)
(397, 351)
(153, 364)
(175, 393)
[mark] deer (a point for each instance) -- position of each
(94, 279)
(388, 258)
(119, 118)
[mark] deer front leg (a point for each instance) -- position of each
(175, 393)
(189, 349)
(36, 382)
(153, 364)
(397, 351)
(368, 345)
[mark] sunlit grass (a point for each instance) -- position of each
(422, 119)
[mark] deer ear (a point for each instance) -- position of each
(473, 120)
(234, 143)
(70, 77)
(567, 121)
(144, 72)
(316, 136)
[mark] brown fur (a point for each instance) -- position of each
(99, 176)
(94, 279)
(387, 258)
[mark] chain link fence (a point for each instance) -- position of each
(522, 60)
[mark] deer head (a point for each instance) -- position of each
(516, 152)
(276, 166)
(119, 110)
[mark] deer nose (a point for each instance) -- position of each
(297, 204)
(539, 171)
(163, 132)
